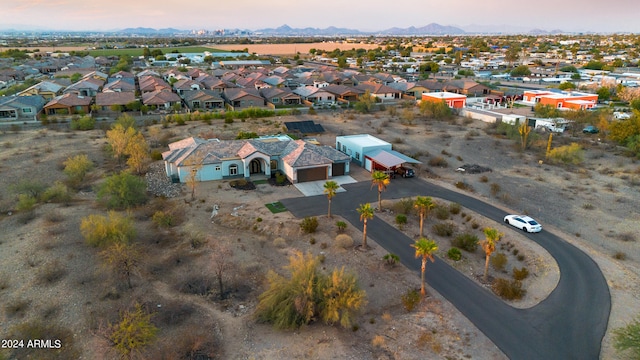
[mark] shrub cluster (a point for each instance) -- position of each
(444, 229)
(467, 242)
(411, 299)
(309, 225)
(454, 254)
(508, 289)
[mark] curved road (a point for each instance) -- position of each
(569, 324)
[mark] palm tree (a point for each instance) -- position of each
(489, 246)
(366, 213)
(330, 188)
(381, 180)
(425, 249)
(424, 204)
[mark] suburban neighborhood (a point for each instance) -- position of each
(372, 198)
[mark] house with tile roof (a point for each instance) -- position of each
(120, 85)
(67, 104)
(215, 159)
(316, 96)
(203, 99)
(238, 99)
(46, 89)
(161, 99)
(111, 100)
(382, 93)
(21, 108)
(280, 97)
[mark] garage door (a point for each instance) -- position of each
(313, 174)
(337, 169)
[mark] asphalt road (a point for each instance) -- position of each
(569, 324)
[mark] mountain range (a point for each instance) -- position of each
(285, 30)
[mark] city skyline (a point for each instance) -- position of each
(366, 16)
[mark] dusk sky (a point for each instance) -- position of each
(371, 15)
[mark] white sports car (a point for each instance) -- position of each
(523, 222)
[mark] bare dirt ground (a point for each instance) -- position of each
(593, 206)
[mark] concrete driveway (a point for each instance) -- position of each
(314, 188)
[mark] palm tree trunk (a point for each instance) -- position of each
(486, 267)
(421, 223)
(424, 267)
(379, 200)
(329, 214)
(364, 235)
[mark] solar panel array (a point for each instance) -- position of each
(304, 127)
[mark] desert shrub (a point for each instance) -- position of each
(16, 307)
(411, 299)
(76, 168)
(133, 331)
(626, 338)
(494, 188)
(475, 225)
(568, 154)
(309, 225)
(378, 341)
(401, 219)
(391, 259)
(403, 206)
(40, 329)
(26, 203)
(627, 237)
(619, 255)
(102, 231)
(122, 191)
(444, 229)
(508, 289)
(467, 242)
(29, 187)
(279, 242)
(196, 285)
(344, 241)
(341, 226)
(499, 261)
(483, 179)
(163, 219)
(57, 193)
(438, 161)
(520, 274)
(308, 294)
(53, 217)
(455, 208)
(441, 212)
(463, 185)
(454, 254)
(588, 206)
(197, 239)
(51, 272)
(83, 124)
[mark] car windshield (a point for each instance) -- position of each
(533, 222)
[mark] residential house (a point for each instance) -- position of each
(563, 100)
(111, 100)
(280, 97)
(185, 85)
(203, 99)
(152, 84)
(467, 87)
(344, 93)
(226, 159)
(239, 99)
(88, 86)
(161, 99)
(67, 104)
(316, 96)
(120, 85)
(372, 153)
(409, 90)
(453, 100)
(382, 93)
(21, 108)
(46, 89)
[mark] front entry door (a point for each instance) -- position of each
(255, 166)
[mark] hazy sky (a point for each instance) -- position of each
(370, 15)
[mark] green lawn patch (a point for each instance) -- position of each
(276, 207)
(258, 182)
